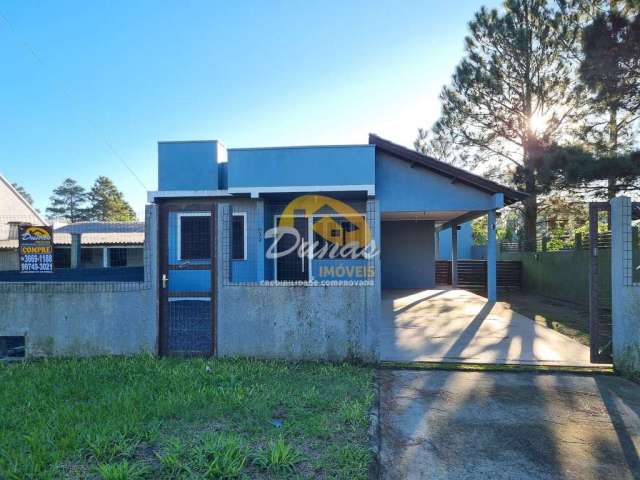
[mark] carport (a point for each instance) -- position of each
(419, 195)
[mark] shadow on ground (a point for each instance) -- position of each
(467, 425)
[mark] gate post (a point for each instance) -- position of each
(625, 294)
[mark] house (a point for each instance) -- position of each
(285, 251)
(14, 210)
(102, 244)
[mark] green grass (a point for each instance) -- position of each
(145, 418)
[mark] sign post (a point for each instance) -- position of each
(35, 249)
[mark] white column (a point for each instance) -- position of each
(454, 255)
(491, 256)
(76, 242)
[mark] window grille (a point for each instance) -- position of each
(238, 237)
(118, 257)
(291, 267)
(195, 237)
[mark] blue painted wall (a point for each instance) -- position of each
(249, 270)
(465, 243)
(187, 166)
(305, 166)
(403, 188)
(407, 259)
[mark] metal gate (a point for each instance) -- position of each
(187, 277)
(600, 326)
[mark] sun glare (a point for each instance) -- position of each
(537, 122)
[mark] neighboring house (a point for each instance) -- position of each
(103, 244)
(227, 287)
(14, 210)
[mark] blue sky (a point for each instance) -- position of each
(84, 84)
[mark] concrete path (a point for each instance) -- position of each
(476, 425)
(460, 326)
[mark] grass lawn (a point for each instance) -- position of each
(565, 317)
(140, 417)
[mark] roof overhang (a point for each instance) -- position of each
(454, 173)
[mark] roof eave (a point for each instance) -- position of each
(511, 196)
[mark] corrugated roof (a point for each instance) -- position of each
(92, 233)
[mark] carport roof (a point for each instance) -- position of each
(456, 174)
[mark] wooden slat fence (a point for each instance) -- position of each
(472, 274)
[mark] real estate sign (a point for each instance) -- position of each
(35, 249)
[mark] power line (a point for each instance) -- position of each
(70, 98)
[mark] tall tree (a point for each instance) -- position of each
(26, 195)
(68, 201)
(510, 94)
(610, 70)
(107, 203)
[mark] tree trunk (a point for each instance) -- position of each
(613, 150)
(530, 221)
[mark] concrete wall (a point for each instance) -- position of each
(408, 255)
(296, 322)
(90, 318)
(626, 293)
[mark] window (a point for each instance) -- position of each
(61, 258)
(194, 236)
(291, 267)
(239, 236)
(91, 257)
(118, 257)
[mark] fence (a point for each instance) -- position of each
(472, 274)
(564, 273)
(577, 241)
(109, 255)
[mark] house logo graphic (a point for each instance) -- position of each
(35, 234)
(328, 231)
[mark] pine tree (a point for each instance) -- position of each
(107, 203)
(510, 95)
(68, 201)
(610, 71)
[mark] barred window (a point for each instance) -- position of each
(195, 237)
(91, 257)
(239, 236)
(118, 257)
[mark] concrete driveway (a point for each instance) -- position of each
(460, 326)
(477, 425)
